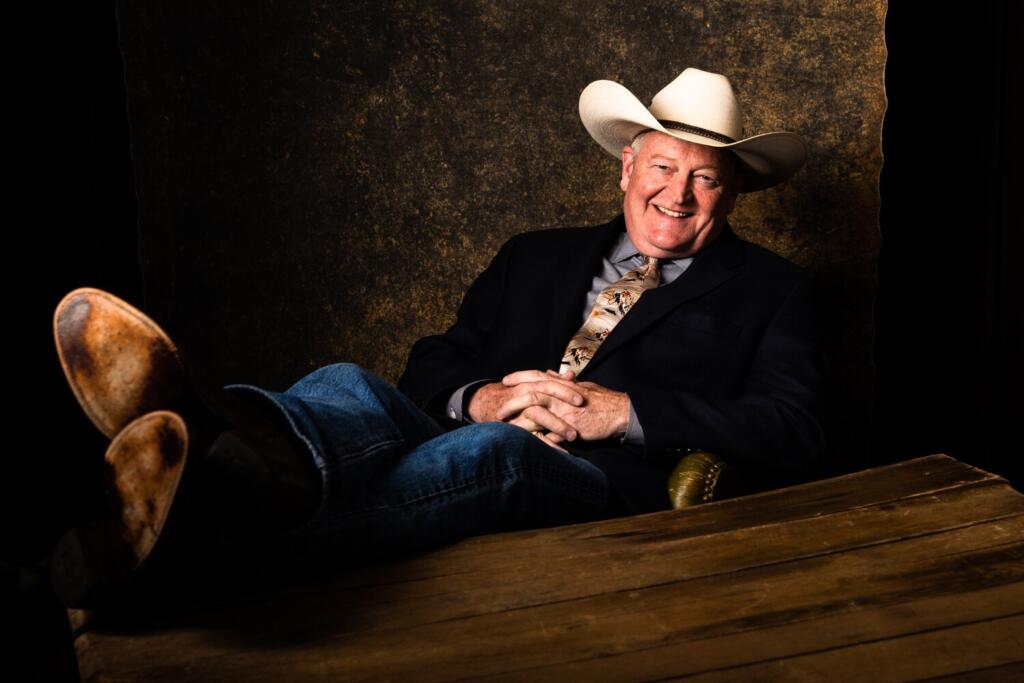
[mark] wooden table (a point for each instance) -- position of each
(902, 572)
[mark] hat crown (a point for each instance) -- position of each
(702, 99)
(697, 107)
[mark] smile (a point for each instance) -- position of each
(674, 214)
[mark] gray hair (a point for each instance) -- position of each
(638, 141)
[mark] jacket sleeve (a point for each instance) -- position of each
(776, 421)
(439, 365)
(458, 404)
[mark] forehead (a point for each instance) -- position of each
(661, 144)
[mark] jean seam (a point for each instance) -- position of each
(348, 456)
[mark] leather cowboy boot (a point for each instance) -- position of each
(121, 365)
(178, 495)
(198, 466)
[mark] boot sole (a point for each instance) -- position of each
(119, 363)
(144, 468)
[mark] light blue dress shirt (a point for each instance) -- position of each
(622, 258)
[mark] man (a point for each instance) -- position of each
(582, 363)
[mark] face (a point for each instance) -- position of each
(678, 194)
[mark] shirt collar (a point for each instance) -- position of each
(625, 250)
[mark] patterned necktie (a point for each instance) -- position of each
(611, 306)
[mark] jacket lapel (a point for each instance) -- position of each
(575, 274)
(713, 266)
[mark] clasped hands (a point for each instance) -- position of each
(553, 406)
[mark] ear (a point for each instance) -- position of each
(628, 157)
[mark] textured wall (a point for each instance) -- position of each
(322, 181)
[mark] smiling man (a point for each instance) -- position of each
(721, 347)
(582, 363)
(678, 194)
(677, 197)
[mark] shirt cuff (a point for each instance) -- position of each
(456, 408)
(634, 432)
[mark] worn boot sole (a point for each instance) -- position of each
(149, 541)
(119, 363)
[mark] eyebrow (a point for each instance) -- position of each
(662, 156)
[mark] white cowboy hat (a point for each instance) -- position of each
(699, 107)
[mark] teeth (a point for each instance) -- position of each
(674, 214)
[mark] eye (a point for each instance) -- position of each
(708, 180)
(663, 167)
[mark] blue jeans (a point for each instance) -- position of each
(395, 481)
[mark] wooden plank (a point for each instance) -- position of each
(988, 643)
(586, 560)
(919, 476)
(595, 564)
(778, 642)
(514, 551)
(295, 662)
(865, 582)
(988, 674)
(517, 552)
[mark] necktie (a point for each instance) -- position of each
(611, 306)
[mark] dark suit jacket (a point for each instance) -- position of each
(726, 358)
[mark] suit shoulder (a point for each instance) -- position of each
(769, 262)
(551, 241)
(555, 235)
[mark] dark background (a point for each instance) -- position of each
(947, 314)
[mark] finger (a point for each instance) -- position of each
(516, 404)
(541, 419)
(550, 422)
(560, 389)
(538, 394)
(526, 423)
(520, 376)
(529, 396)
(547, 439)
(568, 374)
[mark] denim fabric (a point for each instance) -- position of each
(394, 481)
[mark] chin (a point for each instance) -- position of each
(676, 252)
(673, 246)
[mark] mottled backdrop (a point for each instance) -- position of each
(321, 181)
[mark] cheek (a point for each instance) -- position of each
(648, 191)
(636, 198)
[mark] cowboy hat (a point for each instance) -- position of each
(699, 107)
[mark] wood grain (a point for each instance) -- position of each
(907, 571)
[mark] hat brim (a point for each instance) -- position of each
(614, 116)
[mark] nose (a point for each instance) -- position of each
(681, 188)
